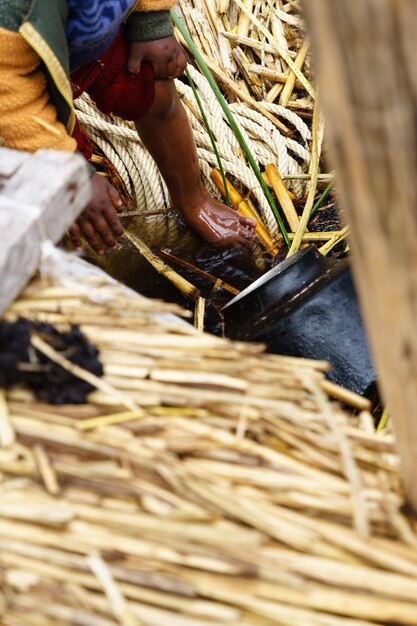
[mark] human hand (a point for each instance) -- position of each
(166, 55)
(99, 223)
(219, 224)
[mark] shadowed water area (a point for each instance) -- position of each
(165, 233)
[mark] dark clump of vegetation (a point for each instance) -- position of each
(21, 362)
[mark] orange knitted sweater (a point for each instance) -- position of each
(28, 120)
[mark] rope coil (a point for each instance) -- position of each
(121, 144)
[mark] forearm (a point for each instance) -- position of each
(28, 120)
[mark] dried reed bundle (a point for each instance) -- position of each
(237, 34)
(230, 495)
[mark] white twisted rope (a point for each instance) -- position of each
(121, 144)
(266, 134)
(290, 116)
(278, 145)
(110, 152)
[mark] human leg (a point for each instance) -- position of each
(166, 133)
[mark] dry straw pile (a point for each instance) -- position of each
(205, 483)
(251, 46)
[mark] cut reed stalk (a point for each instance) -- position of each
(338, 237)
(199, 313)
(320, 177)
(314, 236)
(344, 395)
(314, 170)
(118, 605)
(183, 285)
(266, 72)
(283, 197)
(7, 436)
(244, 209)
(290, 83)
(218, 283)
(46, 470)
(244, 21)
(108, 420)
(261, 46)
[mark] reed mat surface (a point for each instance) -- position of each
(205, 483)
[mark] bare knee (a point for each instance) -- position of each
(166, 101)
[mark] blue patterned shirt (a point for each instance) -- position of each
(92, 25)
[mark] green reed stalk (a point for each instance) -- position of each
(210, 134)
(321, 199)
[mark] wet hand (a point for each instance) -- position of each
(99, 223)
(166, 55)
(217, 223)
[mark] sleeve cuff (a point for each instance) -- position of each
(148, 26)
